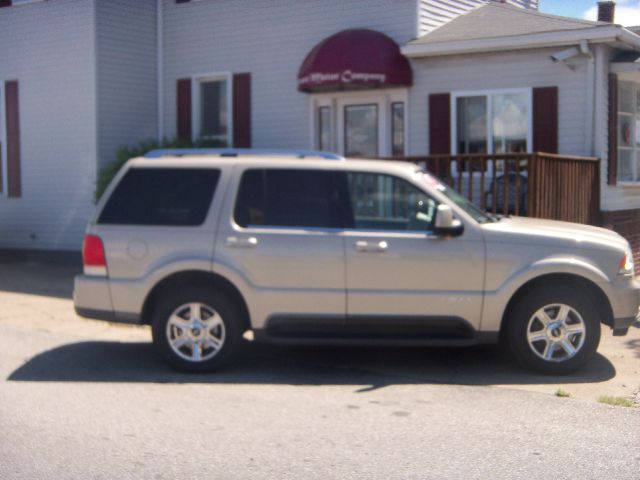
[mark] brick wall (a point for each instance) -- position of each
(627, 224)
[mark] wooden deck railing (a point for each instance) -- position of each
(541, 185)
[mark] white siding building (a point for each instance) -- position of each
(49, 49)
(81, 78)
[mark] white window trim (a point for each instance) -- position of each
(3, 139)
(487, 93)
(195, 102)
(338, 100)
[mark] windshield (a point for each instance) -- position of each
(469, 207)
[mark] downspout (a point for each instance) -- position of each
(600, 116)
(159, 67)
(589, 130)
(601, 70)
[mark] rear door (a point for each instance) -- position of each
(283, 236)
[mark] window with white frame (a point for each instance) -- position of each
(628, 132)
(360, 124)
(492, 122)
(212, 110)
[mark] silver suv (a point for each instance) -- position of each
(206, 246)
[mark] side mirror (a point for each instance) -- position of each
(446, 225)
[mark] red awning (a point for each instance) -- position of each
(354, 59)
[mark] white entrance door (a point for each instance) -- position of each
(360, 124)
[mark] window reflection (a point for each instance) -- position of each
(510, 122)
(361, 130)
(397, 129)
(324, 128)
(214, 122)
(472, 124)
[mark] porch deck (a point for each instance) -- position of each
(537, 184)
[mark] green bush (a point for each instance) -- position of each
(125, 153)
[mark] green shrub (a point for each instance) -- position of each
(125, 153)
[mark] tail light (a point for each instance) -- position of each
(93, 257)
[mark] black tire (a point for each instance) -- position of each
(519, 325)
(224, 310)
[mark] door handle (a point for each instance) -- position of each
(363, 246)
(246, 242)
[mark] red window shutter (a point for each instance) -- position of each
(184, 109)
(14, 182)
(612, 165)
(440, 123)
(242, 110)
(545, 119)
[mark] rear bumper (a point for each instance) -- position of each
(92, 299)
(91, 293)
(109, 316)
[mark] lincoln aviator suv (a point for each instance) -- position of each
(309, 248)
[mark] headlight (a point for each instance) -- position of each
(626, 263)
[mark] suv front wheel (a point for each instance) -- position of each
(554, 330)
(196, 330)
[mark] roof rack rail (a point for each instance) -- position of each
(236, 152)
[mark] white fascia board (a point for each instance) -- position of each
(517, 42)
(630, 38)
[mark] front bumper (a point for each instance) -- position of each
(625, 302)
(621, 325)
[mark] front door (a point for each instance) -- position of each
(397, 269)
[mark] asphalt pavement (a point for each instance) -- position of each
(82, 399)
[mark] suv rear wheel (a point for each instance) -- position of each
(196, 330)
(554, 330)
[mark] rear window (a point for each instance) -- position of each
(287, 198)
(161, 196)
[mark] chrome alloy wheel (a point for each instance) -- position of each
(556, 332)
(195, 332)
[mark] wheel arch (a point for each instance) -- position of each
(592, 290)
(189, 278)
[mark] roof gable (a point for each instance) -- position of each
(496, 20)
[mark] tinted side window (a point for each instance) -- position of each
(384, 202)
(287, 198)
(161, 196)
